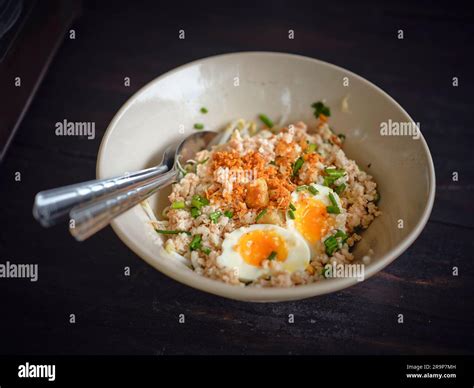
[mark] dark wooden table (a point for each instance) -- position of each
(139, 314)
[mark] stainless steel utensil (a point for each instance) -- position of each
(119, 194)
(53, 206)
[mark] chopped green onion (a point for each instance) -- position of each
(313, 190)
(229, 213)
(301, 188)
(272, 163)
(342, 235)
(195, 212)
(261, 214)
(161, 231)
(272, 256)
(266, 120)
(178, 205)
(206, 250)
(328, 181)
(214, 216)
(311, 147)
(291, 214)
(334, 172)
(342, 137)
(333, 210)
(320, 108)
(332, 175)
(195, 242)
(298, 164)
(198, 126)
(292, 207)
(332, 199)
(198, 201)
(204, 110)
(331, 245)
(339, 189)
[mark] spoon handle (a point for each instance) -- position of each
(89, 218)
(52, 206)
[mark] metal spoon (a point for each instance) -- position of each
(89, 218)
(53, 206)
(94, 204)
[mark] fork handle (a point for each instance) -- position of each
(89, 218)
(53, 206)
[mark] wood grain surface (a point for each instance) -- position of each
(116, 314)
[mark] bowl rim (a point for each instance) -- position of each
(275, 294)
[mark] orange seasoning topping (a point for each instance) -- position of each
(266, 186)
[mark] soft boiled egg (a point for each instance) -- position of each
(312, 217)
(246, 248)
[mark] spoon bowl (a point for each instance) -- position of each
(90, 217)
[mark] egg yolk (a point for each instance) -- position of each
(258, 245)
(312, 220)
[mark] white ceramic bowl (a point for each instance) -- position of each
(282, 86)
